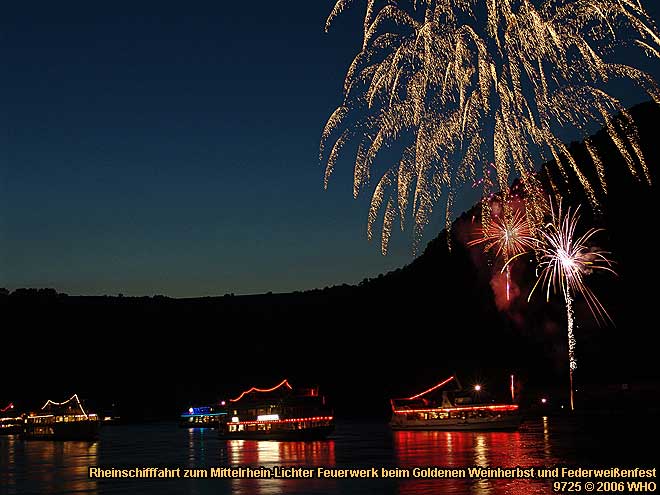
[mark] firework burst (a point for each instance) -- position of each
(455, 83)
(508, 236)
(565, 260)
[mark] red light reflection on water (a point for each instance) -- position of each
(468, 449)
(282, 454)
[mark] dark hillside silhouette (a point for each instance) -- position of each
(388, 336)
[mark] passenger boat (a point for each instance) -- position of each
(454, 410)
(201, 417)
(11, 422)
(62, 421)
(277, 413)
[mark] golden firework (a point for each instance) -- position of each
(459, 82)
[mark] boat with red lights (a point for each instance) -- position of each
(278, 413)
(66, 420)
(454, 409)
(11, 422)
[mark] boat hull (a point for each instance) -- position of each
(307, 434)
(11, 428)
(75, 430)
(184, 423)
(506, 423)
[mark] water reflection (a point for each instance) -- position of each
(47, 466)
(269, 454)
(481, 459)
(461, 449)
(61, 467)
(546, 436)
(197, 446)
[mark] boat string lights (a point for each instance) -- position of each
(73, 397)
(283, 383)
(430, 390)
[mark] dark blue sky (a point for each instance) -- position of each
(173, 149)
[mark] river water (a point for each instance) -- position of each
(39, 467)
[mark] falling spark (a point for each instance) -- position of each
(460, 82)
(565, 260)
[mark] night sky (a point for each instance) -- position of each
(152, 148)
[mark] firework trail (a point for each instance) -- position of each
(565, 259)
(455, 83)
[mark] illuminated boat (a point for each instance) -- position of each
(62, 421)
(201, 417)
(11, 422)
(454, 410)
(278, 413)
